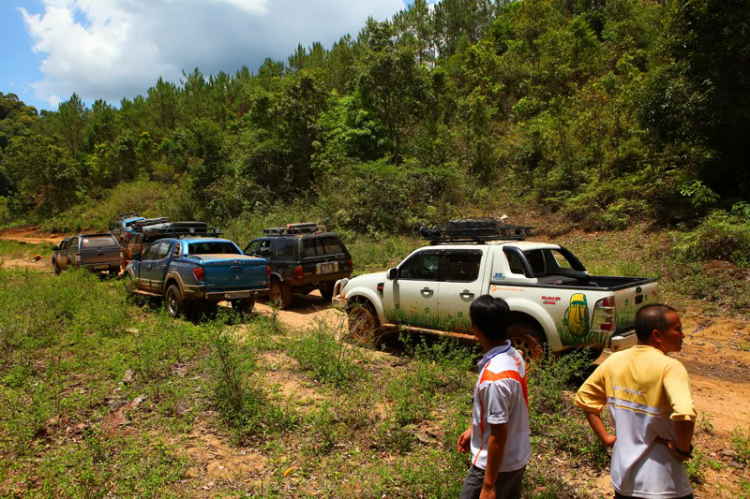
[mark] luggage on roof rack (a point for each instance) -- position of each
(128, 215)
(140, 224)
(474, 230)
(294, 229)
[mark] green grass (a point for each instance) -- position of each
(371, 423)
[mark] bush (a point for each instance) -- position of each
(378, 197)
(330, 360)
(721, 236)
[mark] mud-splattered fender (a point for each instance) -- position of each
(541, 316)
(369, 295)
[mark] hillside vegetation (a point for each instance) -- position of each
(607, 111)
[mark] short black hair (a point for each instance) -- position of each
(650, 317)
(490, 315)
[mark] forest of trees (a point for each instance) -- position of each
(609, 110)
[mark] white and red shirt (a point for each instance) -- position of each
(501, 396)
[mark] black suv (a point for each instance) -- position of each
(302, 257)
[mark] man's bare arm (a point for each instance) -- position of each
(596, 423)
(495, 453)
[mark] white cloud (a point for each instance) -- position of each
(118, 48)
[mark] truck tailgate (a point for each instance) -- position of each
(94, 256)
(628, 300)
(233, 272)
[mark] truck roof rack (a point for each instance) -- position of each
(165, 228)
(140, 224)
(294, 229)
(128, 215)
(474, 230)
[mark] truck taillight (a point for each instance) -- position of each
(604, 315)
(78, 258)
(199, 274)
(351, 264)
(268, 272)
(298, 272)
(122, 256)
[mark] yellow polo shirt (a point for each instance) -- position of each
(645, 391)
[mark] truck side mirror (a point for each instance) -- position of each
(136, 257)
(392, 275)
(55, 248)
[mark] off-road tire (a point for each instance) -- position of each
(364, 325)
(280, 294)
(244, 305)
(173, 301)
(528, 340)
(57, 268)
(326, 291)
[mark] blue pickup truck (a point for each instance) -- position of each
(199, 270)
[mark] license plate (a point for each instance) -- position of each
(327, 268)
(101, 267)
(237, 294)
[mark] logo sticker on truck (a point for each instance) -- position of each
(550, 300)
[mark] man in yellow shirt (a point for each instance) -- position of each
(649, 401)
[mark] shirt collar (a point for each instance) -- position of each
(493, 351)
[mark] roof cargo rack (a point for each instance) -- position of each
(178, 229)
(140, 224)
(128, 215)
(295, 229)
(474, 230)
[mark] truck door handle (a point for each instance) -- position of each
(466, 294)
(148, 267)
(162, 267)
(426, 291)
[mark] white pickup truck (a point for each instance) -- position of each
(553, 299)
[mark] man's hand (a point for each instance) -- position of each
(464, 441)
(487, 492)
(596, 423)
(672, 446)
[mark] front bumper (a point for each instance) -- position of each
(338, 300)
(623, 341)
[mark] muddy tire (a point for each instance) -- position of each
(244, 305)
(364, 325)
(280, 294)
(528, 340)
(57, 268)
(173, 301)
(326, 291)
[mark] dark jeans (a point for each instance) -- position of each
(620, 496)
(507, 484)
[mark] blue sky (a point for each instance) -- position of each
(112, 49)
(19, 67)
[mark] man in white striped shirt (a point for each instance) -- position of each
(499, 435)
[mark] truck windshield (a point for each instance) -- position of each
(213, 248)
(98, 242)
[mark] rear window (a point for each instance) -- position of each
(284, 249)
(99, 242)
(213, 248)
(322, 246)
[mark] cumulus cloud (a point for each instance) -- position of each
(118, 48)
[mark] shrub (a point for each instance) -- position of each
(330, 360)
(721, 236)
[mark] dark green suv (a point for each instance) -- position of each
(302, 257)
